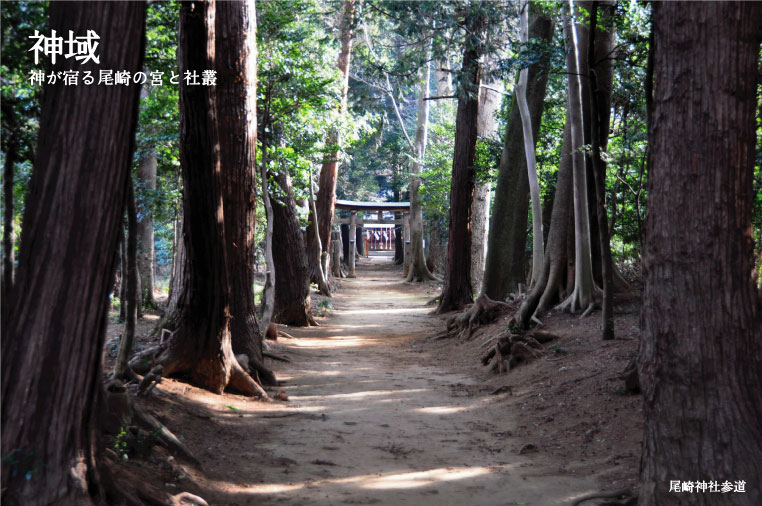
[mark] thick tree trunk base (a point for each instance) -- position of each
(577, 302)
(214, 373)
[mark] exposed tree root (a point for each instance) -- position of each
(619, 494)
(483, 311)
(273, 333)
(188, 499)
(631, 377)
(121, 411)
(213, 373)
(577, 300)
(275, 356)
(508, 350)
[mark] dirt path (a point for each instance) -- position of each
(367, 423)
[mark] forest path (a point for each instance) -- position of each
(368, 423)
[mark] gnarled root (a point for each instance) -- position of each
(619, 494)
(510, 350)
(483, 311)
(212, 372)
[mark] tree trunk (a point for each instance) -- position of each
(585, 293)
(201, 344)
(122, 367)
(529, 151)
(8, 170)
(292, 280)
(546, 291)
(456, 291)
(53, 334)
(399, 241)
(147, 178)
(505, 264)
(486, 128)
(123, 268)
(268, 291)
(701, 344)
(180, 273)
(236, 95)
(326, 197)
(437, 248)
(320, 257)
(601, 83)
(418, 271)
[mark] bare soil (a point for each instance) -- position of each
(377, 413)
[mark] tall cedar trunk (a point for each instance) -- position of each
(292, 280)
(486, 128)
(701, 346)
(147, 178)
(585, 292)
(506, 250)
(122, 368)
(418, 269)
(456, 291)
(53, 335)
(326, 197)
(546, 291)
(8, 170)
(180, 273)
(236, 48)
(201, 343)
(601, 83)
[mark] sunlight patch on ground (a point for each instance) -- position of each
(387, 481)
(396, 310)
(333, 342)
(442, 410)
(357, 395)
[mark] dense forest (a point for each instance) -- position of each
(186, 181)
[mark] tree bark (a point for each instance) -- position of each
(486, 128)
(546, 291)
(123, 270)
(529, 151)
(292, 280)
(53, 333)
(268, 291)
(201, 344)
(180, 273)
(147, 178)
(457, 291)
(8, 171)
(601, 81)
(505, 264)
(585, 294)
(122, 367)
(320, 257)
(326, 197)
(418, 271)
(236, 96)
(701, 345)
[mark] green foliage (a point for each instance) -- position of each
(20, 100)
(158, 132)
(298, 89)
(121, 446)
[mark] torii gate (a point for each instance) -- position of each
(353, 207)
